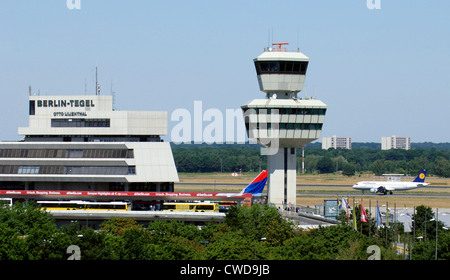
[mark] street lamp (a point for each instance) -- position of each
(256, 241)
(437, 219)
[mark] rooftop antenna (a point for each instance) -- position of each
(29, 90)
(113, 93)
(272, 35)
(97, 86)
(269, 40)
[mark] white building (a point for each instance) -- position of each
(395, 142)
(282, 122)
(79, 143)
(336, 142)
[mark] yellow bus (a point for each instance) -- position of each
(83, 205)
(194, 207)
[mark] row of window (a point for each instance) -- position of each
(80, 123)
(151, 187)
(74, 170)
(69, 153)
(287, 111)
(284, 126)
(281, 67)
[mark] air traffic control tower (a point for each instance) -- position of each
(282, 122)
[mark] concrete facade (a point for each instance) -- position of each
(282, 122)
(395, 142)
(79, 143)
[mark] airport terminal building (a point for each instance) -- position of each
(79, 143)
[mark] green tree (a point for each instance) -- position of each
(12, 245)
(175, 240)
(325, 165)
(349, 169)
(113, 248)
(231, 245)
(180, 248)
(137, 246)
(442, 167)
(259, 221)
(119, 225)
(424, 224)
(339, 162)
(311, 162)
(91, 244)
(303, 247)
(379, 167)
(29, 233)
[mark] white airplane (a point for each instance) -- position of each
(389, 186)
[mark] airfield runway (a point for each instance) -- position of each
(314, 189)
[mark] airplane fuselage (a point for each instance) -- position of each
(385, 186)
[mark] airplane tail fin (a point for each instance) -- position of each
(421, 177)
(257, 185)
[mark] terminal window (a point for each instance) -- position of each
(96, 170)
(74, 170)
(80, 123)
(69, 153)
(28, 170)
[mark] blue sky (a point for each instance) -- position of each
(381, 72)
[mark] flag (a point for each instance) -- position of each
(379, 221)
(343, 204)
(354, 217)
(364, 218)
(407, 223)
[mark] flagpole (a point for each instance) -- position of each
(377, 211)
(387, 213)
(414, 234)
(395, 225)
(370, 211)
(346, 210)
(360, 219)
(354, 216)
(387, 221)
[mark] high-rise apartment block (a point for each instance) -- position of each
(395, 142)
(336, 142)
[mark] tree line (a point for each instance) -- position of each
(231, 158)
(248, 233)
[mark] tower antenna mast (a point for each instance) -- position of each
(97, 86)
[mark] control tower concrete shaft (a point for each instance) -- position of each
(282, 122)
